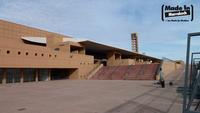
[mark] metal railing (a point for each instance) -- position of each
(191, 88)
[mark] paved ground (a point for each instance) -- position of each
(92, 96)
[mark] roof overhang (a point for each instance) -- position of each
(101, 48)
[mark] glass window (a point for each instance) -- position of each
(1, 75)
(12, 75)
(43, 75)
(29, 75)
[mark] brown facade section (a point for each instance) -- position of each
(30, 54)
(17, 53)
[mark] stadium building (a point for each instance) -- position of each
(28, 54)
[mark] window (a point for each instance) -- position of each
(29, 75)
(1, 75)
(33, 43)
(26, 53)
(42, 54)
(57, 49)
(49, 55)
(55, 56)
(8, 52)
(117, 56)
(19, 52)
(12, 75)
(43, 75)
(35, 54)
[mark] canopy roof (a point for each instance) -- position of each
(101, 48)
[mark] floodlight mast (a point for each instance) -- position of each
(190, 35)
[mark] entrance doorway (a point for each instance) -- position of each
(60, 74)
(43, 75)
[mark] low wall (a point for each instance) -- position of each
(169, 66)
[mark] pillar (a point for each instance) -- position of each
(4, 76)
(49, 74)
(21, 76)
(36, 75)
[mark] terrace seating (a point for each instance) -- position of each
(129, 72)
(119, 73)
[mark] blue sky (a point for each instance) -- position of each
(110, 22)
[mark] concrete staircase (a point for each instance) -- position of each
(129, 72)
(92, 73)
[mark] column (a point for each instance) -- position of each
(36, 75)
(49, 74)
(4, 76)
(21, 76)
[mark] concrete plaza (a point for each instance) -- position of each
(89, 96)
